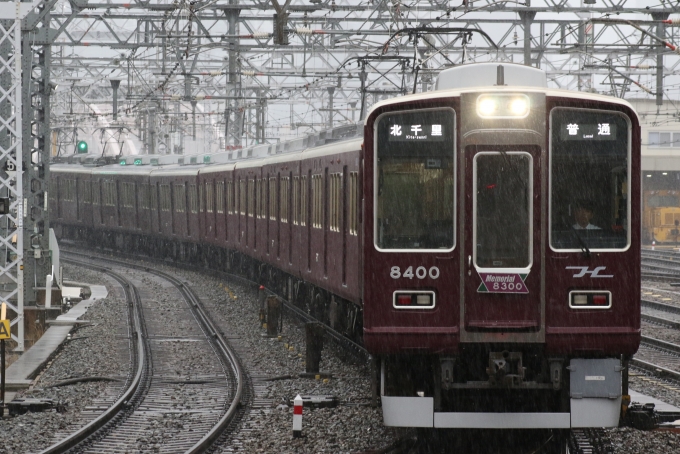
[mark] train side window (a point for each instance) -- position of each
(230, 197)
(303, 200)
(193, 199)
(180, 198)
(296, 200)
(251, 198)
(143, 197)
(353, 211)
(317, 198)
(335, 194)
(273, 198)
(219, 196)
(414, 188)
(261, 207)
(86, 193)
(209, 197)
(165, 197)
(590, 165)
(242, 197)
(153, 192)
(285, 182)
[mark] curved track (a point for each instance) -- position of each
(156, 378)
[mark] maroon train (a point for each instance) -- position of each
(481, 240)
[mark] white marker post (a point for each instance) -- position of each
(297, 417)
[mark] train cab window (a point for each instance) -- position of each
(502, 209)
(589, 173)
(414, 180)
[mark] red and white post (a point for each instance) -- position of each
(297, 417)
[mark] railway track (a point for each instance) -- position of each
(661, 264)
(352, 348)
(211, 380)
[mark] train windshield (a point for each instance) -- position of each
(589, 175)
(502, 209)
(414, 191)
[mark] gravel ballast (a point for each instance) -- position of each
(354, 426)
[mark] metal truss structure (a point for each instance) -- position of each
(253, 71)
(199, 76)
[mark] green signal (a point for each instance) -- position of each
(82, 147)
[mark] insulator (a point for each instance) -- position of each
(644, 66)
(175, 97)
(215, 73)
(674, 21)
(248, 73)
(260, 35)
(200, 98)
(303, 31)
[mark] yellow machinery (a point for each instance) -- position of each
(661, 217)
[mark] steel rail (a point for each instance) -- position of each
(658, 370)
(134, 302)
(339, 339)
(671, 308)
(214, 334)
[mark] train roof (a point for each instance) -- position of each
(456, 92)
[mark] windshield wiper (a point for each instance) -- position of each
(584, 246)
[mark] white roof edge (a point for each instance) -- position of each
(554, 92)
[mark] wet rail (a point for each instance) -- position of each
(215, 396)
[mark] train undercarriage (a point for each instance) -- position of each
(342, 315)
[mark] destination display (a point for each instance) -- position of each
(416, 132)
(588, 132)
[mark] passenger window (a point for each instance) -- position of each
(414, 187)
(589, 175)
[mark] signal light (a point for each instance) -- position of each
(81, 147)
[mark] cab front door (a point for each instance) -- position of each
(501, 283)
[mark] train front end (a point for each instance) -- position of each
(501, 252)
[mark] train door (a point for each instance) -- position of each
(501, 285)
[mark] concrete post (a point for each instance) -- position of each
(273, 315)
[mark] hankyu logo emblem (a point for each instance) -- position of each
(586, 270)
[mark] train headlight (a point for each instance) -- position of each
(503, 106)
(487, 107)
(519, 107)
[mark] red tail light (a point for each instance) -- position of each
(403, 300)
(600, 300)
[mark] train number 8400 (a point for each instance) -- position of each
(421, 272)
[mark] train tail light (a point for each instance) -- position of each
(404, 300)
(590, 299)
(414, 299)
